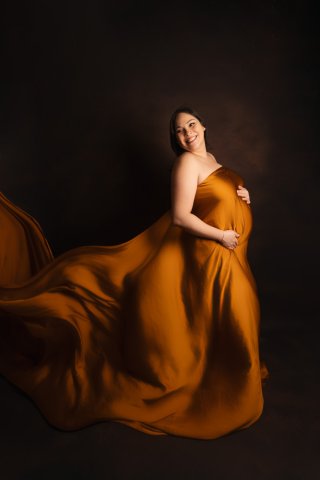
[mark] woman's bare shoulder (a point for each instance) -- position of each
(186, 160)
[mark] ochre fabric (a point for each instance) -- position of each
(159, 332)
(24, 249)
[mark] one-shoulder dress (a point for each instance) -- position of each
(160, 333)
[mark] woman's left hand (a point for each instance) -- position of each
(243, 193)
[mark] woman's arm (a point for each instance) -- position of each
(184, 182)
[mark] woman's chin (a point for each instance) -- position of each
(193, 148)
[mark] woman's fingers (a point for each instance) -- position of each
(244, 195)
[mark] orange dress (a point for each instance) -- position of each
(159, 332)
(24, 249)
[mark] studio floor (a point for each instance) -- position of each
(281, 445)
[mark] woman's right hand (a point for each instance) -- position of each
(230, 239)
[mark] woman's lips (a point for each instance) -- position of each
(191, 140)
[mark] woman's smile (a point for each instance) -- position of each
(192, 139)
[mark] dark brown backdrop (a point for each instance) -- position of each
(87, 94)
(87, 91)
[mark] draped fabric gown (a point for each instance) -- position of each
(24, 249)
(159, 333)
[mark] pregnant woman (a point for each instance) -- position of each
(160, 332)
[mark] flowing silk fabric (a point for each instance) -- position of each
(159, 332)
(24, 249)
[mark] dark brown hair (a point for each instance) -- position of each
(173, 136)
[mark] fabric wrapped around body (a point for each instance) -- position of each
(160, 332)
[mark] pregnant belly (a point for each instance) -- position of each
(233, 215)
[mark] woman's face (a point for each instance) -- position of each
(189, 132)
